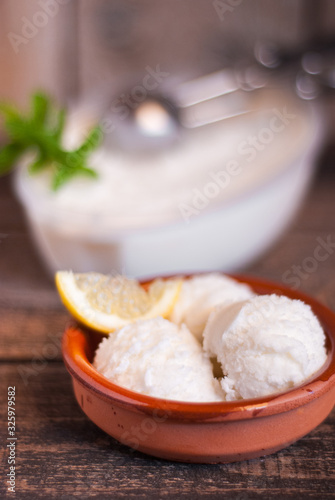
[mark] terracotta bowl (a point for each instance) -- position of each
(203, 432)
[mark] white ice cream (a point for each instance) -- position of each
(265, 345)
(200, 294)
(158, 358)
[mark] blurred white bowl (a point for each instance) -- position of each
(133, 219)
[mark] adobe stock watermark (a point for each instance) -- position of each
(39, 361)
(202, 197)
(125, 104)
(309, 265)
(224, 7)
(11, 439)
(31, 27)
(120, 110)
(138, 434)
(248, 148)
(266, 309)
(253, 144)
(122, 107)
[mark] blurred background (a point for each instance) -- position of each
(253, 194)
(79, 45)
(84, 52)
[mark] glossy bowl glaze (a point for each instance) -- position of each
(203, 432)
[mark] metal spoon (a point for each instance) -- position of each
(159, 120)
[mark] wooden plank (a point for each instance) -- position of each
(29, 335)
(21, 268)
(11, 217)
(60, 450)
(61, 454)
(22, 272)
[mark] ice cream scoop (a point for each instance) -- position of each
(158, 358)
(266, 344)
(200, 294)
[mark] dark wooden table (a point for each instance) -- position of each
(61, 454)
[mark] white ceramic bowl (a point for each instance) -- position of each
(275, 146)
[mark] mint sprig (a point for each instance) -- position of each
(41, 132)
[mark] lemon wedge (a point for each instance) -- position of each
(106, 303)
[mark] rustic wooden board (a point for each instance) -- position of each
(27, 334)
(61, 454)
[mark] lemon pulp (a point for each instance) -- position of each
(106, 302)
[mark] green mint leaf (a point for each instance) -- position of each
(60, 125)
(20, 131)
(8, 156)
(9, 112)
(41, 132)
(40, 109)
(72, 160)
(61, 176)
(37, 166)
(87, 171)
(92, 141)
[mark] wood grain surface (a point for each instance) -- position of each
(61, 454)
